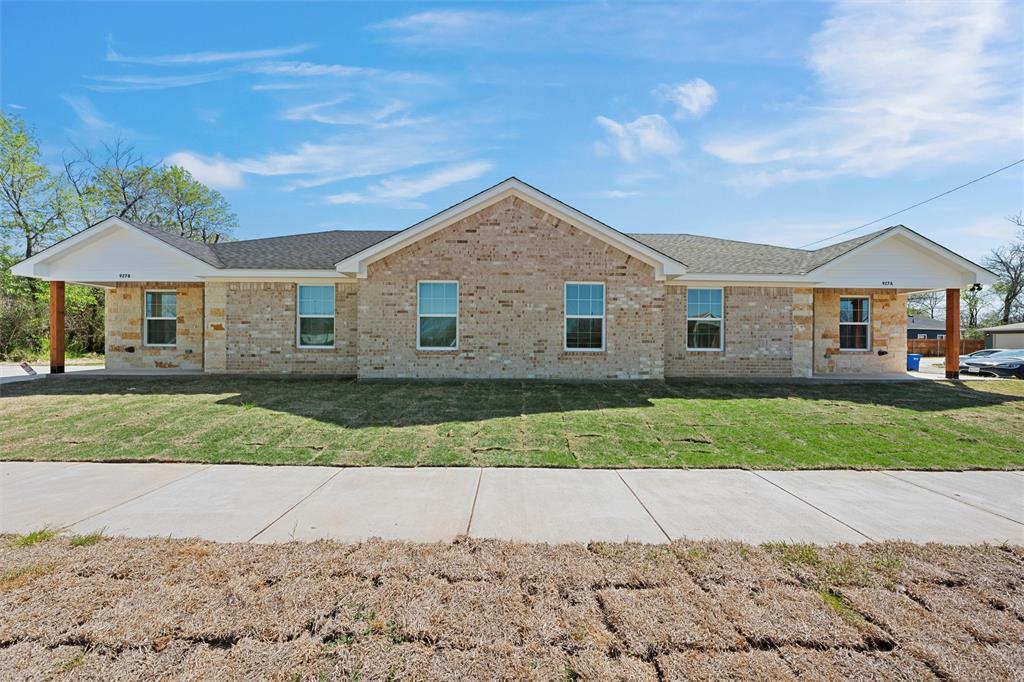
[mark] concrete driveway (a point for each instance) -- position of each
(238, 503)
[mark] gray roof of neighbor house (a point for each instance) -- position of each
(322, 250)
(1014, 327)
(924, 322)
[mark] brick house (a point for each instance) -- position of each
(510, 283)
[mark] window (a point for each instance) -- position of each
(922, 336)
(437, 323)
(854, 323)
(703, 319)
(940, 337)
(584, 316)
(161, 327)
(316, 316)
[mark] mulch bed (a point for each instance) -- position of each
(124, 609)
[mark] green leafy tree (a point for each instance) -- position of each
(191, 208)
(34, 207)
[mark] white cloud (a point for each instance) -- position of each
(88, 117)
(645, 137)
(309, 70)
(403, 189)
(618, 194)
(692, 99)
(902, 85)
(12, 105)
(148, 82)
(215, 172)
(329, 113)
(204, 57)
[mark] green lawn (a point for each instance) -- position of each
(322, 421)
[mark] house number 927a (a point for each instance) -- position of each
(124, 275)
(886, 284)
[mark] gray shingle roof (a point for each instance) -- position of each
(310, 251)
(924, 322)
(726, 256)
(322, 250)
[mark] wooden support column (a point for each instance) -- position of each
(952, 333)
(56, 327)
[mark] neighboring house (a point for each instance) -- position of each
(510, 283)
(1008, 336)
(922, 327)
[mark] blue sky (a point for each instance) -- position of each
(771, 122)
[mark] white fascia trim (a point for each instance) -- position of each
(980, 274)
(664, 266)
(26, 268)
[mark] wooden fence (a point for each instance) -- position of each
(937, 347)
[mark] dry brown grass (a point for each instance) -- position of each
(125, 609)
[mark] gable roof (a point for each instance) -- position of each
(924, 322)
(664, 265)
(327, 253)
(203, 252)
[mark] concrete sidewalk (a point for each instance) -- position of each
(235, 503)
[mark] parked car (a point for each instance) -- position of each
(983, 353)
(1007, 363)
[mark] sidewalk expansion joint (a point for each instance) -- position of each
(132, 499)
(644, 506)
(300, 501)
(951, 497)
(476, 495)
(837, 520)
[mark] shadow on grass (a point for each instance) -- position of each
(354, 404)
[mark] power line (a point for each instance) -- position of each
(920, 203)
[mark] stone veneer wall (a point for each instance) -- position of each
(758, 335)
(124, 316)
(259, 335)
(888, 333)
(511, 261)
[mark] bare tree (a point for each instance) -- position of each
(119, 182)
(973, 301)
(927, 303)
(1008, 264)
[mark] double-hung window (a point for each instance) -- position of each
(437, 316)
(316, 316)
(854, 323)
(584, 316)
(161, 325)
(704, 319)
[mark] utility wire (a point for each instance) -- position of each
(920, 203)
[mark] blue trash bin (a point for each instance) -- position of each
(913, 362)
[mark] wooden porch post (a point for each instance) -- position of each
(56, 327)
(952, 333)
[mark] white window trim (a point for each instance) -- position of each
(299, 316)
(922, 336)
(863, 324)
(566, 317)
(440, 349)
(720, 320)
(146, 318)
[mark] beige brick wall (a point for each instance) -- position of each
(215, 354)
(803, 332)
(758, 323)
(125, 313)
(511, 261)
(260, 321)
(888, 333)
